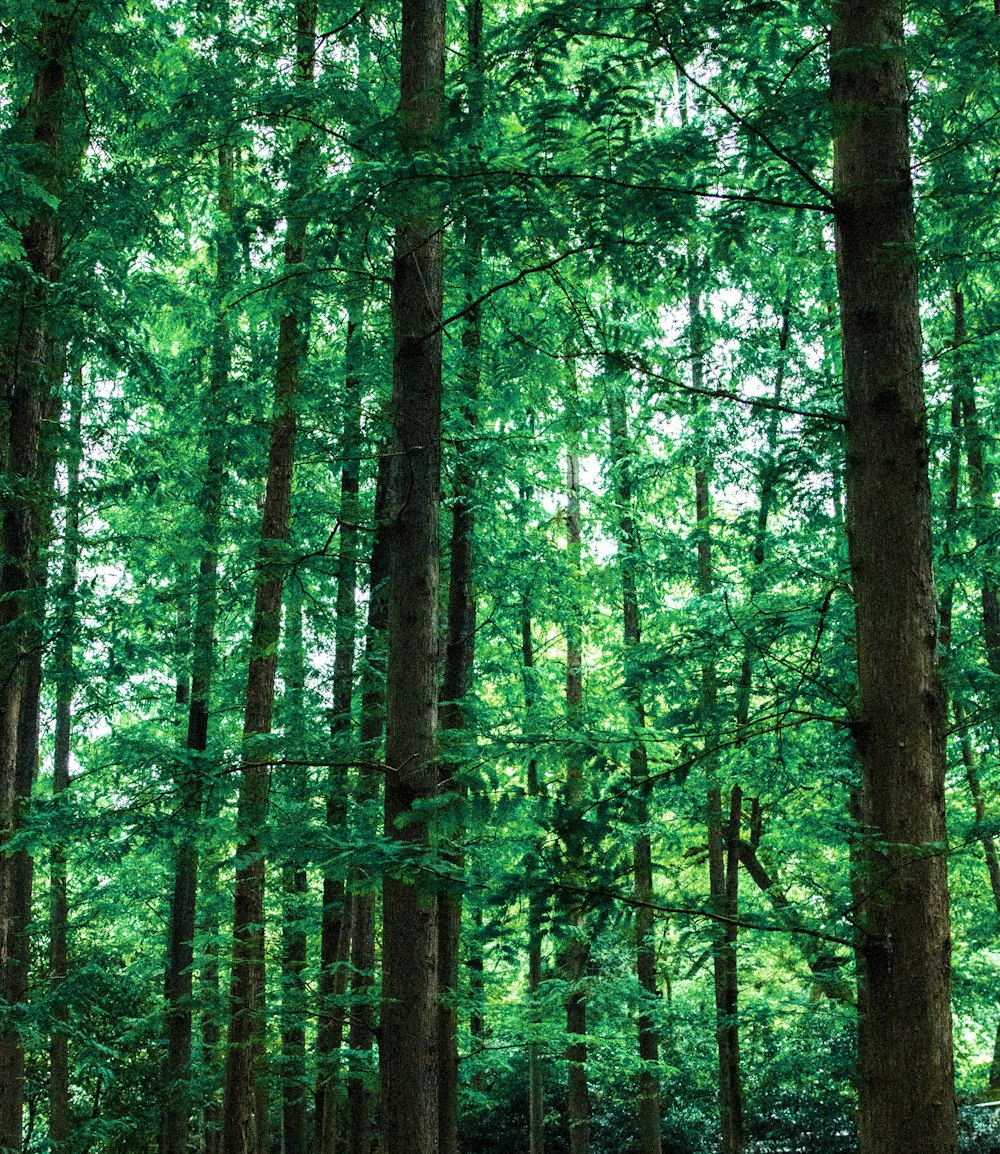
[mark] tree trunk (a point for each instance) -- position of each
(980, 487)
(362, 1032)
(211, 1001)
(244, 1117)
(907, 1100)
(577, 950)
(723, 830)
(460, 641)
(29, 363)
(336, 915)
(408, 1050)
(64, 676)
(294, 994)
(768, 485)
(963, 410)
(536, 905)
(179, 979)
(629, 550)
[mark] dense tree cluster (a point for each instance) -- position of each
(499, 609)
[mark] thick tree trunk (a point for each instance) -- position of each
(408, 1044)
(907, 1100)
(577, 949)
(244, 1118)
(29, 363)
(629, 550)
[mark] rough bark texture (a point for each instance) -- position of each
(408, 1043)
(629, 550)
(906, 1088)
(29, 363)
(245, 1115)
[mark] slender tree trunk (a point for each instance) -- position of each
(536, 905)
(408, 1044)
(337, 903)
(362, 1032)
(825, 966)
(461, 629)
(30, 362)
(723, 829)
(459, 654)
(963, 411)
(179, 979)
(203, 769)
(629, 551)
(907, 1098)
(768, 486)
(577, 950)
(294, 1098)
(980, 486)
(244, 1122)
(64, 676)
(211, 1000)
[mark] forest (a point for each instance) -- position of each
(500, 597)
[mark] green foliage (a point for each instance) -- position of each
(625, 156)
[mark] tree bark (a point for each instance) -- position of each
(460, 642)
(963, 412)
(577, 950)
(30, 361)
(244, 1119)
(629, 552)
(64, 676)
(536, 904)
(907, 1100)
(179, 979)
(336, 914)
(723, 829)
(408, 1046)
(294, 993)
(362, 1031)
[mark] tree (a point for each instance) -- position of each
(31, 361)
(904, 943)
(408, 1041)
